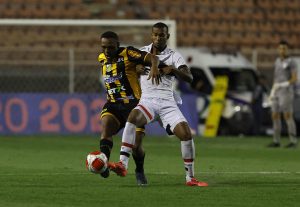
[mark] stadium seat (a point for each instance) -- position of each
(236, 26)
(215, 23)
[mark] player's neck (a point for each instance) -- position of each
(283, 57)
(157, 51)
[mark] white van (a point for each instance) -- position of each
(237, 117)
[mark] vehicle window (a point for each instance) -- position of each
(200, 81)
(240, 80)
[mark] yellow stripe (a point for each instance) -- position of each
(216, 106)
(140, 130)
(132, 77)
(110, 114)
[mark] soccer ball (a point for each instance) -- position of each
(96, 162)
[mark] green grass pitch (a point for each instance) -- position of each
(50, 171)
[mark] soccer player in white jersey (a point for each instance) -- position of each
(282, 96)
(157, 102)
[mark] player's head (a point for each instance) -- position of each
(160, 35)
(109, 43)
(283, 48)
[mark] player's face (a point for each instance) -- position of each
(109, 47)
(159, 37)
(283, 50)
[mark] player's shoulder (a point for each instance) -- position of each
(101, 57)
(176, 56)
(172, 51)
(293, 62)
(277, 60)
(133, 52)
(146, 48)
(131, 48)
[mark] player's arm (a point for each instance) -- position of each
(183, 72)
(143, 57)
(154, 73)
(292, 80)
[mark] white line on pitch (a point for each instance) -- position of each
(155, 173)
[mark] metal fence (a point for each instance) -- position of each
(51, 70)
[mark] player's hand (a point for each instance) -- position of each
(282, 84)
(154, 75)
(275, 87)
(140, 69)
(272, 94)
(166, 70)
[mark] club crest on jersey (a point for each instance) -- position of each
(108, 67)
(134, 54)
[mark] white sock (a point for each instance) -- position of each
(277, 130)
(128, 139)
(188, 156)
(292, 130)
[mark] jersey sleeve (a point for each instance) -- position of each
(178, 60)
(136, 55)
(293, 66)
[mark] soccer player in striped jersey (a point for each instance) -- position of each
(118, 71)
(282, 95)
(157, 102)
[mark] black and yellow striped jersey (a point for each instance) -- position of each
(119, 75)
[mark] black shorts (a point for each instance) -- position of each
(120, 111)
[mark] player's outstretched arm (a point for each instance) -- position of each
(183, 72)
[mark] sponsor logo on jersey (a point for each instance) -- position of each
(134, 54)
(125, 98)
(116, 90)
(109, 79)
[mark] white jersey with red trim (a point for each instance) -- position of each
(165, 89)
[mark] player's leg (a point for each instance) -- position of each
(173, 120)
(136, 119)
(138, 155)
(289, 120)
(183, 132)
(276, 119)
(110, 126)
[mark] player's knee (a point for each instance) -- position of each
(137, 118)
(183, 132)
(287, 116)
(275, 116)
(186, 136)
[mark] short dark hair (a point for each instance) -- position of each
(161, 25)
(110, 34)
(283, 42)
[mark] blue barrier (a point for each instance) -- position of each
(45, 113)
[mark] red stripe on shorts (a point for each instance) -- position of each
(145, 110)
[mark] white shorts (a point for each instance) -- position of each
(164, 111)
(283, 103)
